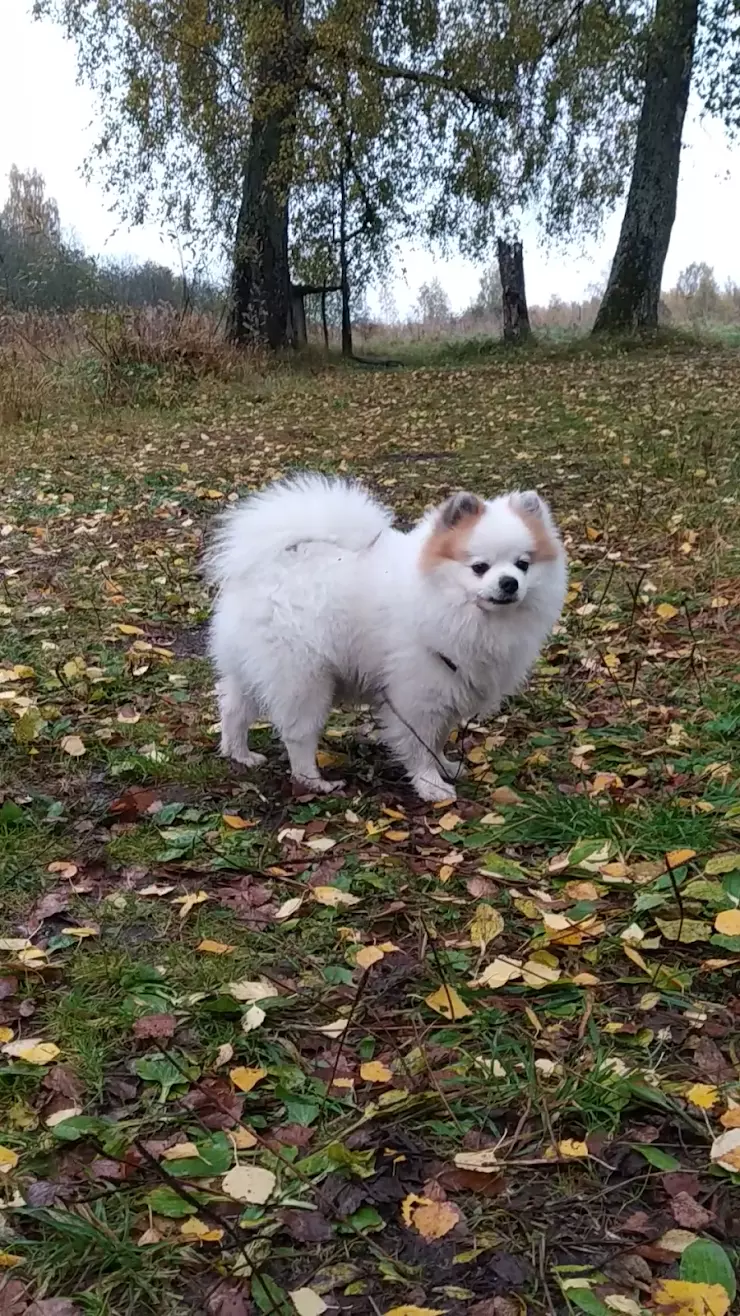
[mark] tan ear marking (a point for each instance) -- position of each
(449, 540)
(545, 546)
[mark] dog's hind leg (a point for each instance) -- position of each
(299, 714)
(238, 709)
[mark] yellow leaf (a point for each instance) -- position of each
(449, 821)
(369, 955)
(446, 1001)
(665, 611)
(242, 1138)
(728, 922)
(215, 947)
(126, 628)
(8, 1160)
(536, 973)
(182, 1151)
(636, 957)
(236, 823)
(498, 973)
(722, 863)
(702, 1095)
(396, 836)
(81, 933)
(593, 534)
(675, 858)
(445, 872)
(33, 1051)
(189, 901)
(22, 672)
(730, 1119)
(249, 1183)
(612, 661)
(6, 1034)
(374, 1071)
(245, 1078)
(408, 1309)
(486, 926)
(333, 896)
(74, 746)
(485, 1160)
(9, 1259)
(572, 1150)
(195, 1229)
(685, 1297)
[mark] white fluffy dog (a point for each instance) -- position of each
(320, 600)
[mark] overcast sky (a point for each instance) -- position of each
(49, 124)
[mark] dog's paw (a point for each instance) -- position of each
(249, 758)
(453, 768)
(433, 789)
(319, 785)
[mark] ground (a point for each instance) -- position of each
(478, 1058)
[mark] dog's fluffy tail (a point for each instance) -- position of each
(293, 511)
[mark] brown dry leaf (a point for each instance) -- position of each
(182, 1151)
(505, 795)
(447, 1002)
(485, 1160)
(429, 1218)
(245, 1078)
(726, 1150)
(64, 867)
(73, 746)
(730, 1119)
(236, 823)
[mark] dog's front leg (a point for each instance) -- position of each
(415, 736)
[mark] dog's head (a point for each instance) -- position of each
(498, 555)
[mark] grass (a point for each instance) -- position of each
(593, 849)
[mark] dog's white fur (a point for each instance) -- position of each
(321, 599)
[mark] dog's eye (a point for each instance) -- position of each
(522, 565)
(480, 568)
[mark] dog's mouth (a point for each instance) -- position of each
(487, 603)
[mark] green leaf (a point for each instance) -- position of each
(731, 886)
(268, 1296)
(705, 1262)
(588, 1302)
(78, 1126)
(165, 1201)
(499, 865)
(366, 1219)
(685, 931)
(215, 1156)
(654, 1156)
(11, 815)
(722, 863)
(157, 1068)
(299, 1110)
(727, 943)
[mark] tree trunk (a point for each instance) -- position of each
(344, 266)
(260, 285)
(633, 291)
(517, 328)
(298, 330)
(324, 321)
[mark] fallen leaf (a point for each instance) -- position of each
(676, 1240)
(730, 1119)
(155, 1025)
(247, 989)
(408, 1309)
(334, 1029)
(195, 1229)
(446, 1001)
(573, 1150)
(64, 867)
(429, 1218)
(182, 1151)
(505, 795)
(702, 1095)
(728, 922)
(484, 1160)
(726, 1150)
(235, 822)
(665, 611)
(320, 844)
(74, 746)
(333, 896)
(498, 973)
(245, 1079)
(675, 858)
(249, 1183)
(8, 1260)
(215, 947)
(253, 1018)
(689, 1213)
(189, 901)
(308, 1302)
(33, 1051)
(8, 1160)
(683, 1297)
(536, 973)
(288, 908)
(374, 1071)
(486, 926)
(369, 955)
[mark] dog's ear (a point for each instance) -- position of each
(459, 507)
(528, 501)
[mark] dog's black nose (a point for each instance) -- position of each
(508, 586)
